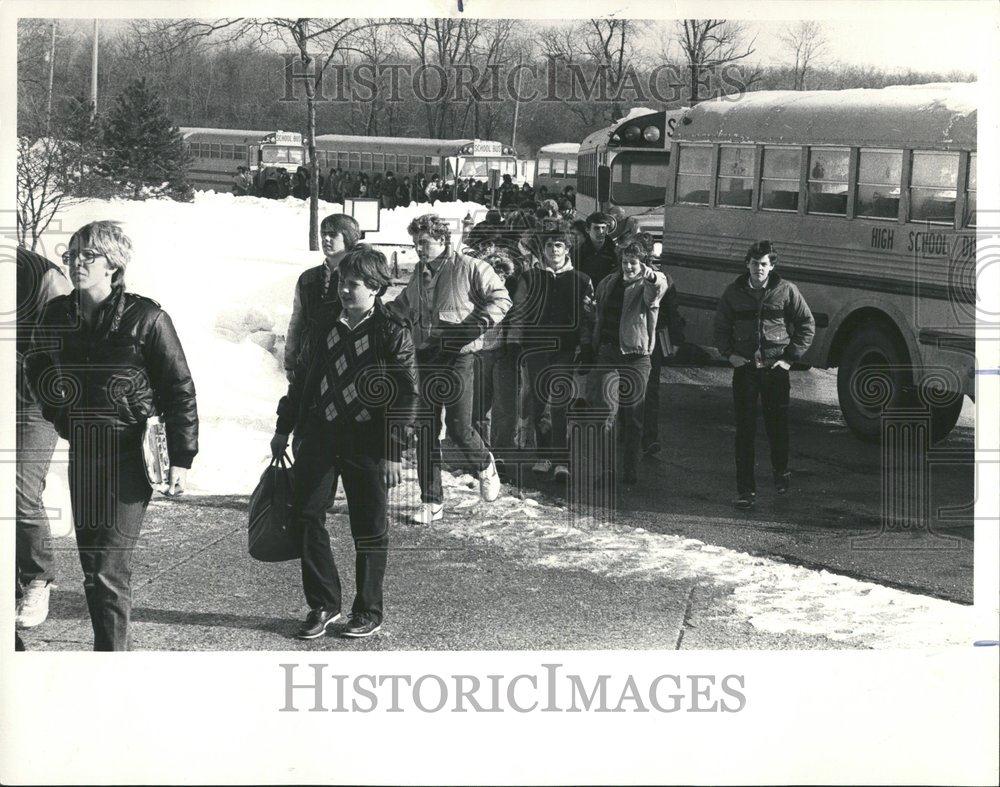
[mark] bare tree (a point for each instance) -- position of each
(44, 185)
(710, 44)
(606, 50)
(806, 41)
(317, 42)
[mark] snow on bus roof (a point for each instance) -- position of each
(560, 147)
(438, 145)
(225, 132)
(939, 114)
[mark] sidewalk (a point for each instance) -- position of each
(515, 575)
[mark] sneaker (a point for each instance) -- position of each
(561, 473)
(317, 622)
(33, 608)
(542, 467)
(745, 500)
(489, 482)
(781, 483)
(652, 449)
(429, 512)
(360, 625)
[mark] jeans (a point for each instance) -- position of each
(321, 457)
(772, 387)
(109, 494)
(651, 407)
(618, 383)
(550, 382)
(36, 440)
(495, 405)
(446, 383)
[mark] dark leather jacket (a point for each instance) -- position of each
(129, 367)
(394, 392)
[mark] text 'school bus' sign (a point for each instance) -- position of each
(284, 138)
(485, 148)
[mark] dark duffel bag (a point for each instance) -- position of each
(272, 535)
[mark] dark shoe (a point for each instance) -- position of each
(317, 623)
(652, 449)
(745, 500)
(781, 483)
(361, 625)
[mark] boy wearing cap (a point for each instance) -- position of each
(598, 253)
(762, 325)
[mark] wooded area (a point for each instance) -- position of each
(233, 73)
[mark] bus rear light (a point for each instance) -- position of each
(651, 134)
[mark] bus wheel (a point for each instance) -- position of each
(873, 374)
(944, 417)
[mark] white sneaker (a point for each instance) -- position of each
(489, 482)
(33, 607)
(428, 512)
(561, 473)
(543, 466)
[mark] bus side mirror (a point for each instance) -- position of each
(603, 183)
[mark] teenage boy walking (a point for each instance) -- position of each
(762, 325)
(347, 428)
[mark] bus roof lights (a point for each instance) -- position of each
(632, 134)
(651, 134)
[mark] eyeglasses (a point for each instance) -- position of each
(85, 256)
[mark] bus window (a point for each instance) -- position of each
(403, 163)
(366, 162)
(239, 152)
(544, 166)
(970, 197)
(735, 179)
(272, 155)
(932, 187)
(779, 185)
(355, 159)
(559, 167)
(378, 162)
(879, 176)
(828, 181)
(571, 166)
(296, 155)
(694, 168)
(227, 151)
(639, 178)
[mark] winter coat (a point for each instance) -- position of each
(308, 303)
(467, 300)
(388, 193)
(38, 282)
(640, 309)
(780, 324)
(597, 263)
(534, 314)
(129, 367)
(395, 386)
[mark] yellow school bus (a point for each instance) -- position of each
(870, 199)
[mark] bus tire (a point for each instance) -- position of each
(944, 417)
(873, 374)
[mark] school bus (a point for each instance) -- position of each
(626, 164)
(555, 167)
(270, 156)
(870, 199)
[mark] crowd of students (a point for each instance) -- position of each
(533, 318)
(391, 192)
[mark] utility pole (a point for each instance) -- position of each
(93, 75)
(517, 104)
(52, 72)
